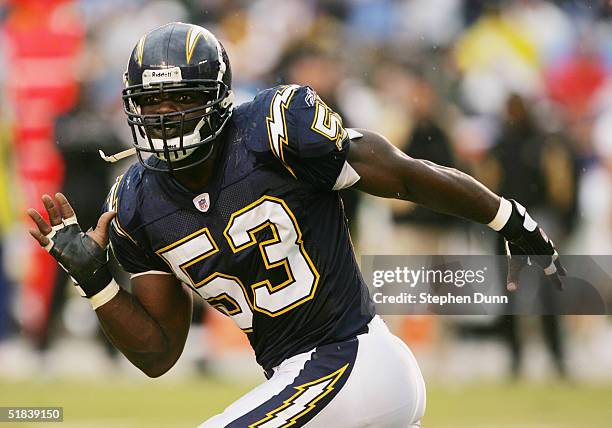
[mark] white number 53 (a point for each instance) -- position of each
(285, 249)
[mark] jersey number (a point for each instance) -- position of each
(328, 123)
(285, 249)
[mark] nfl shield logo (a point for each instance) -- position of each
(202, 202)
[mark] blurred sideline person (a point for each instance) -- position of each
(241, 205)
(420, 230)
(542, 172)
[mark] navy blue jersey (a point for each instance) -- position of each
(266, 242)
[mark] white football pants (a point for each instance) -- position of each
(370, 381)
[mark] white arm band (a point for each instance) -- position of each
(105, 295)
(503, 214)
(348, 176)
(149, 272)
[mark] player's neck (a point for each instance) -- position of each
(199, 176)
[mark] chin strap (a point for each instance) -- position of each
(117, 156)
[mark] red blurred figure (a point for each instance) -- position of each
(43, 38)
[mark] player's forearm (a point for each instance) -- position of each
(137, 335)
(449, 191)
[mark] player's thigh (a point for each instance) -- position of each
(385, 389)
(251, 400)
(300, 387)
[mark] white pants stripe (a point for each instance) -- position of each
(283, 376)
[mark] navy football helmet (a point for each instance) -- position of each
(170, 61)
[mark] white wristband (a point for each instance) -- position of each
(503, 214)
(105, 295)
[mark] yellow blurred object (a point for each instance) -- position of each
(491, 39)
(7, 212)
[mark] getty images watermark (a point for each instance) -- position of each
(476, 285)
(416, 279)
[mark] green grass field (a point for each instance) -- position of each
(167, 403)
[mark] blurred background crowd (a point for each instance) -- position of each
(517, 93)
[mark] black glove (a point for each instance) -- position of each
(82, 255)
(527, 243)
(79, 255)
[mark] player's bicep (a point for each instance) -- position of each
(382, 167)
(168, 302)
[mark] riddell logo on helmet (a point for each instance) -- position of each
(157, 76)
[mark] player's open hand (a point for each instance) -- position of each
(517, 260)
(83, 256)
(526, 242)
(61, 214)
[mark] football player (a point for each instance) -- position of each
(240, 205)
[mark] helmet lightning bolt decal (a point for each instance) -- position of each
(277, 127)
(300, 403)
(140, 49)
(193, 34)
